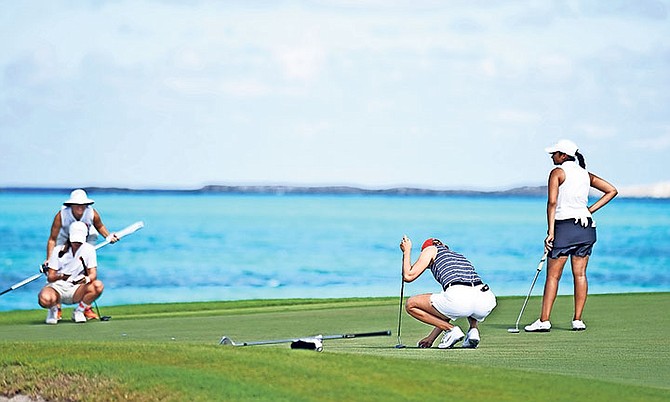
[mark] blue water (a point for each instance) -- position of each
(229, 247)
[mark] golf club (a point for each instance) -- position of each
(402, 291)
(400, 345)
(310, 342)
(102, 317)
(515, 330)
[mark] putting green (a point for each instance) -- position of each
(171, 352)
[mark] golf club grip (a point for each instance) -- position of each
(122, 233)
(364, 334)
(130, 229)
(544, 258)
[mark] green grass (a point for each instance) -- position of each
(171, 352)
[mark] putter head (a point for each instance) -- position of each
(226, 341)
(513, 330)
(400, 346)
(105, 318)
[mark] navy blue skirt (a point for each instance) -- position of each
(572, 238)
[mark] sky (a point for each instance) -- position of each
(376, 94)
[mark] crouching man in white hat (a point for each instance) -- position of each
(72, 276)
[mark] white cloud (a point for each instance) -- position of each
(517, 117)
(660, 143)
(246, 88)
(301, 62)
(596, 131)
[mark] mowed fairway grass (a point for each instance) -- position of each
(170, 352)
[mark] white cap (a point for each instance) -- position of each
(78, 232)
(78, 197)
(566, 146)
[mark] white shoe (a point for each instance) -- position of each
(578, 325)
(538, 326)
(78, 315)
(450, 338)
(471, 339)
(52, 315)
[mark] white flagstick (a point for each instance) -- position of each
(120, 234)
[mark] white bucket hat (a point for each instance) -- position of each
(78, 197)
(566, 146)
(78, 232)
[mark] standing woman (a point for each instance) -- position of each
(571, 228)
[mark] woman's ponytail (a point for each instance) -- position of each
(65, 249)
(580, 158)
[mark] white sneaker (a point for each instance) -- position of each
(78, 315)
(578, 325)
(52, 315)
(538, 326)
(471, 339)
(450, 338)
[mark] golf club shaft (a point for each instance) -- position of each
(402, 291)
(537, 273)
(22, 283)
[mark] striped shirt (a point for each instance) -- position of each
(449, 266)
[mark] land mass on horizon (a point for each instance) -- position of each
(658, 190)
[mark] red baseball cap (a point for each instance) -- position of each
(427, 243)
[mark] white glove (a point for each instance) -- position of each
(582, 220)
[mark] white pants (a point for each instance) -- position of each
(65, 289)
(464, 301)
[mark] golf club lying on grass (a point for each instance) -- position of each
(309, 342)
(515, 330)
(121, 233)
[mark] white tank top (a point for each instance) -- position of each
(67, 218)
(573, 193)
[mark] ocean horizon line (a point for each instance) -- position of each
(653, 191)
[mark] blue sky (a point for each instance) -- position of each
(438, 94)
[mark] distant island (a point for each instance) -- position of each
(658, 190)
(299, 190)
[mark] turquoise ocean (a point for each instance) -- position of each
(203, 247)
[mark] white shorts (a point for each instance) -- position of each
(464, 301)
(65, 289)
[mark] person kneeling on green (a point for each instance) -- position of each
(72, 276)
(463, 294)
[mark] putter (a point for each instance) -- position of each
(311, 342)
(402, 290)
(400, 345)
(102, 317)
(515, 330)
